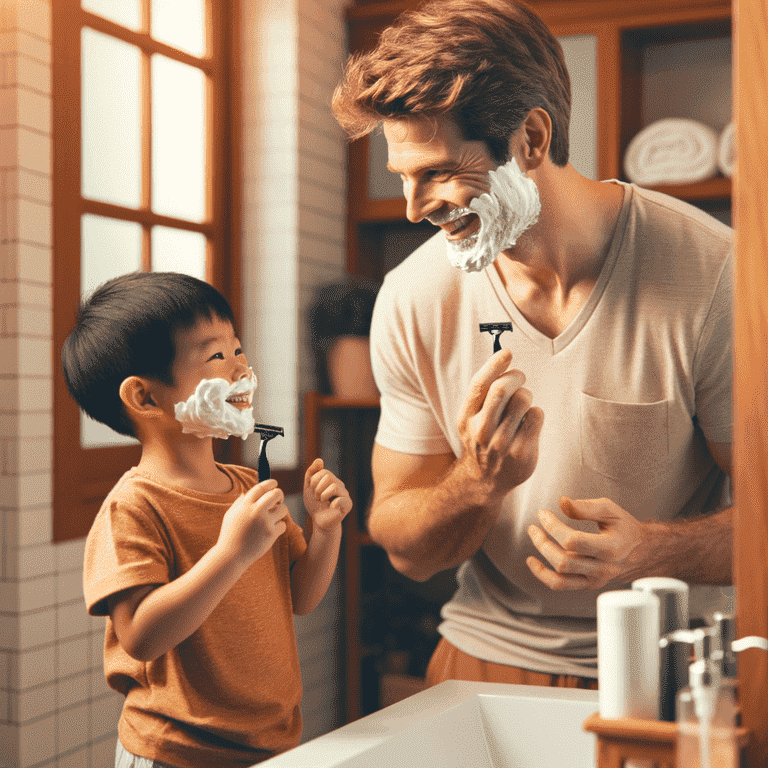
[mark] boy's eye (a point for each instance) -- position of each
(217, 356)
(238, 352)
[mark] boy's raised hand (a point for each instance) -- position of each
(325, 496)
(254, 522)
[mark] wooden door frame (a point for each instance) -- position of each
(750, 379)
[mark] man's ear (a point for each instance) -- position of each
(136, 394)
(532, 139)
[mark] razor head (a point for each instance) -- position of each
(495, 329)
(267, 431)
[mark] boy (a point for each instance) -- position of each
(198, 566)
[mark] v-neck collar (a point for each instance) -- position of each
(563, 339)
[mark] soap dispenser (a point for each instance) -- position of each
(706, 711)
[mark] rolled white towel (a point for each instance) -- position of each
(672, 151)
(726, 151)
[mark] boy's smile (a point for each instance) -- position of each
(213, 384)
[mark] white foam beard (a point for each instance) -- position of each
(511, 206)
(206, 413)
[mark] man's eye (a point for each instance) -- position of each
(438, 175)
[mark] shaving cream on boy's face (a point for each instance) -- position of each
(206, 413)
(510, 207)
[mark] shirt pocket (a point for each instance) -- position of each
(626, 442)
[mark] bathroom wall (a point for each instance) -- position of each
(55, 708)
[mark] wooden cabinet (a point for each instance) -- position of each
(626, 38)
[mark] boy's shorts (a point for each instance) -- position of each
(125, 759)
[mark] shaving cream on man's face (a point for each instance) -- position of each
(206, 413)
(510, 207)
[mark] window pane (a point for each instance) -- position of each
(177, 250)
(111, 114)
(109, 248)
(180, 23)
(127, 13)
(178, 139)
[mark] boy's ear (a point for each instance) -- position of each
(135, 392)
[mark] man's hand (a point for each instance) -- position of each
(499, 429)
(582, 560)
(325, 497)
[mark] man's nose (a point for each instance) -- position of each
(419, 204)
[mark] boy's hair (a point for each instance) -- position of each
(128, 327)
(484, 63)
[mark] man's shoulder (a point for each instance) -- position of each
(669, 217)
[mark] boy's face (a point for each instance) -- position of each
(212, 382)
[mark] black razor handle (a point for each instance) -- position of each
(267, 432)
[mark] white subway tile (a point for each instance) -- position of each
(74, 727)
(99, 685)
(34, 525)
(38, 593)
(35, 703)
(34, 456)
(33, 151)
(73, 656)
(70, 586)
(33, 186)
(73, 690)
(34, 222)
(37, 742)
(9, 738)
(9, 631)
(70, 555)
(37, 629)
(40, 293)
(9, 484)
(34, 490)
(106, 714)
(30, 73)
(102, 753)
(34, 16)
(34, 263)
(33, 667)
(29, 562)
(73, 619)
(81, 759)
(5, 705)
(33, 110)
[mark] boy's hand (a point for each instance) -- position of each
(254, 522)
(325, 497)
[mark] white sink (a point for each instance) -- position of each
(461, 725)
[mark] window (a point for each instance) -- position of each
(145, 142)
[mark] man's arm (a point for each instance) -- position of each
(696, 550)
(432, 512)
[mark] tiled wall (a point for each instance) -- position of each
(55, 708)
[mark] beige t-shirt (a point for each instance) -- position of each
(630, 390)
(229, 694)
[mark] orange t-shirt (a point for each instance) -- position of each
(229, 694)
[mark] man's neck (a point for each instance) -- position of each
(553, 268)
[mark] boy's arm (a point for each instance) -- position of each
(150, 620)
(328, 502)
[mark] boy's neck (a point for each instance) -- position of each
(188, 462)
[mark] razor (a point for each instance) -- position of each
(267, 432)
(495, 329)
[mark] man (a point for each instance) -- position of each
(619, 300)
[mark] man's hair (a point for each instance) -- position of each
(128, 327)
(484, 63)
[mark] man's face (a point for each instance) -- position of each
(213, 384)
(456, 185)
(440, 169)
